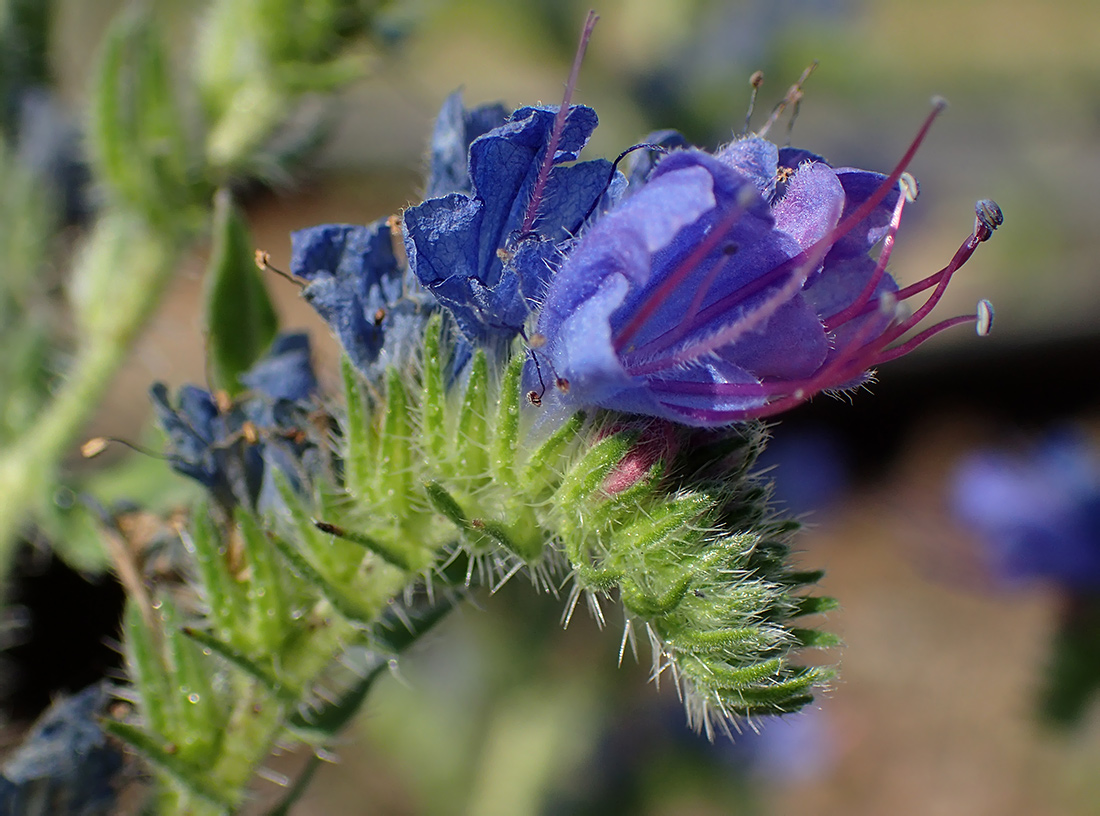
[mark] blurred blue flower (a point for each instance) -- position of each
(808, 466)
(65, 764)
(787, 750)
(488, 249)
(731, 286)
(234, 450)
(1038, 514)
(357, 285)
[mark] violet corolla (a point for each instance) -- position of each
(736, 285)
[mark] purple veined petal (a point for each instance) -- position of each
(471, 251)
(859, 185)
(812, 204)
(791, 345)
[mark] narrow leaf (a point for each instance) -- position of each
(244, 664)
(166, 759)
(345, 606)
(265, 595)
(240, 318)
(359, 453)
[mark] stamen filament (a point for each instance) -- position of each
(794, 93)
(962, 255)
(856, 306)
(559, 126)
(919, 339)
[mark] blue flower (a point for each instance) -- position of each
(66, 763)
(1038, 514)
(357, 285)
(735, 285)
(234, 450)
(455, 129)
(488, 249)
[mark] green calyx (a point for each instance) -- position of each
(437, 490)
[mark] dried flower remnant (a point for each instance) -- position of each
(233, 447)
(736, 285)
(363, 291)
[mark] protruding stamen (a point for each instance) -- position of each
(962, 255)
(263, 262)
(755, 81)
(919, 339)
(559, 126)
(796, 106)
(97, 444)
(94, 446)
(909, 187)
(794, 93)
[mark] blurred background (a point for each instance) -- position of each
(939, 704)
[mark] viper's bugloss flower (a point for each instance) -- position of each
(488, 249)
(232, 450)
(736, 285)
(361, 289)
(1038, 514)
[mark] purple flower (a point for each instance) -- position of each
(735, 285)
(1039, 513)
(357, 285)
(234, 450)
(488, 249)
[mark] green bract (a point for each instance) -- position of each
(443, 490)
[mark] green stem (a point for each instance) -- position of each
(120, 290)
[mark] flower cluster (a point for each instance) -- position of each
(551, 368)
(703, 288)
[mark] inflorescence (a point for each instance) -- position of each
(556, 365)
